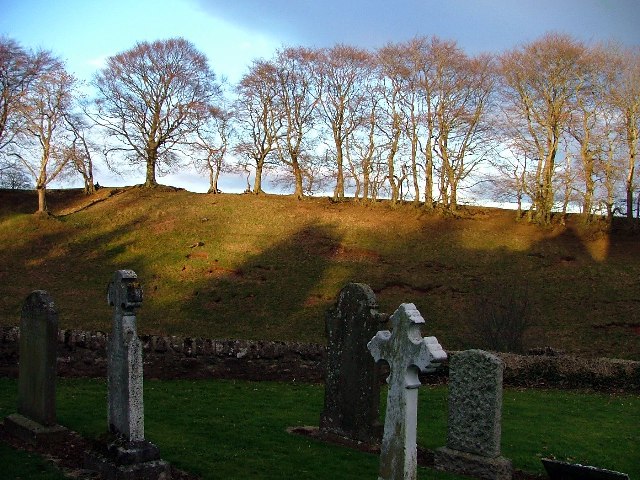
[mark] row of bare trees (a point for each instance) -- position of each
(549, 125)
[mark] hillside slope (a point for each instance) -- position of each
(268, 267)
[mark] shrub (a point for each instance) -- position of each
(500, 318)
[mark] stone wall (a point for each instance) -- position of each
(83, 354)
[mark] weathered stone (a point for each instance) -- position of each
(407, 353)
(36, 417)
(475, 403)
(475, 413)
(38, 352)
(352, 391)
(124, 386)
(476, 466)
(128, 455)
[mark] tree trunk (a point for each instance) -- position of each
(338, 193)
(214, 174)
(150, 181)
(297, 175)
(42, 199)
(629, 187)
(366, 180)
(428, 181)
(257, 184)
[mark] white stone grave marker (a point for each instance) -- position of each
(407, 353)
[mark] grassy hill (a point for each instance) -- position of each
(268, 267)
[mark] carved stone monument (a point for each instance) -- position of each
(36, 417)
(475, 418)
(352, 391)
(127, 455)
(407, 353)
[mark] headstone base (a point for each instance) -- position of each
(455, 461)
(371, 437)
(128, 461)
(31, 431)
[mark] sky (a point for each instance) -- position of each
(233, 33)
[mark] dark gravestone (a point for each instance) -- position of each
(352, 389)
(568, 471)
(36, 417)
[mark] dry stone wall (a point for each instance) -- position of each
(83, 354)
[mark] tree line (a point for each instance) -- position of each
(548, 125)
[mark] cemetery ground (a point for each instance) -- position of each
(268, 267)
(235, 429)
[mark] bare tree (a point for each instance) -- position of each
(421, 124)
(341, 72)
(18, 70)
(299, 103)
(260, 118)
(43, 135)
(211, 143)
(150, 98)
(81, 150)
(508, 179)
(394, 77)
(625, 98)
(463, 87)
(13, 176)
(539, 82)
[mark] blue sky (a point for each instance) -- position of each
(234, 32)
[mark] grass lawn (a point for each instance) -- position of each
(233, 429)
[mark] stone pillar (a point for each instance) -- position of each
(36, 417)
(126, 455)
(352, 389)
(407, 353)
(475, 418)
(124, 356)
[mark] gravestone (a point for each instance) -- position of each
(475, 418)
(352, 390)
(36, 417)
(407, 353)
(558, 470)
(126, 455)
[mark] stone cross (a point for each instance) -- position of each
(127, 455)
(407, 353)
(36, 416)
(352, 390)
(475, 417)
(124, 351)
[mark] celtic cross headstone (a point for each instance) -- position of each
(407, 353)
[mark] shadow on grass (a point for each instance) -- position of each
(243, 301)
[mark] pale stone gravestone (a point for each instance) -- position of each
(407, 353)
(475, 418)
(36, 417)
(127, 455)
(352, 390)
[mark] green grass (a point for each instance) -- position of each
(270, 266)
(233, 429)
(19, 465)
